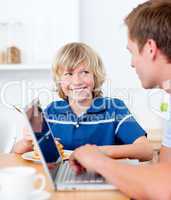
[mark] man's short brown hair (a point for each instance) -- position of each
(151, 20)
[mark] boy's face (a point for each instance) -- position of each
(77, 84)
(144, 65)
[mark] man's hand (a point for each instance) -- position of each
(86, 158)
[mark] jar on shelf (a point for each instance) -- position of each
(13, 55)
(14, 43)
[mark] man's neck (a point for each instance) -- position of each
(165, 77)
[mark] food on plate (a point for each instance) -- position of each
(36, 155)
(58, 145)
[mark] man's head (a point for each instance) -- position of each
(149, 41)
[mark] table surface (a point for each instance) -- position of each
(7, 160)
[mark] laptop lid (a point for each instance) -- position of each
(43, 139)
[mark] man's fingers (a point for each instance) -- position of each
(75, 165)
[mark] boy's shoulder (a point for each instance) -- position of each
(57, 107)
(113, 101)
(116, 105)
(109, 103)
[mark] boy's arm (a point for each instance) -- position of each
(22, 146)
(137, 182)
(129, 132)
(141, 149)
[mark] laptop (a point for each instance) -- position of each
(58, 170)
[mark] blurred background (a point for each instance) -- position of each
(31, 33)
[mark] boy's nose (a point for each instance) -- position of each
(76, 79)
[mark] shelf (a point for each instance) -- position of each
(10, 67)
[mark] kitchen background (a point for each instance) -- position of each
(32, 31)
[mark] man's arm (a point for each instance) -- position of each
(165, 154)
(138, 182)
(141, 149)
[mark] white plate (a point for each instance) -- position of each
(29, 156)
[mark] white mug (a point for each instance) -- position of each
(18, 183)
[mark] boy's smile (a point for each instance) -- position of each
(78, 83)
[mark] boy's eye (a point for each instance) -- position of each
(68, 74)
(85, 72)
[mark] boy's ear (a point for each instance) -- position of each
(151, 48)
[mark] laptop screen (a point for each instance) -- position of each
(43, 138)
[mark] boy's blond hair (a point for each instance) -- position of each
(72, 55)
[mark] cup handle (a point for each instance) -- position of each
(42, 180)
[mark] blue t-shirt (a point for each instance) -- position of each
(107, 122)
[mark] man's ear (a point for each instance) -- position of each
(151, 48)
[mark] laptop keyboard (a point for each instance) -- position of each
(67, 175)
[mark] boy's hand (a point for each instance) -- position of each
(27, 137)
(86, 158)
(25, 144)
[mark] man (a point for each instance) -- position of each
(149, 42)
